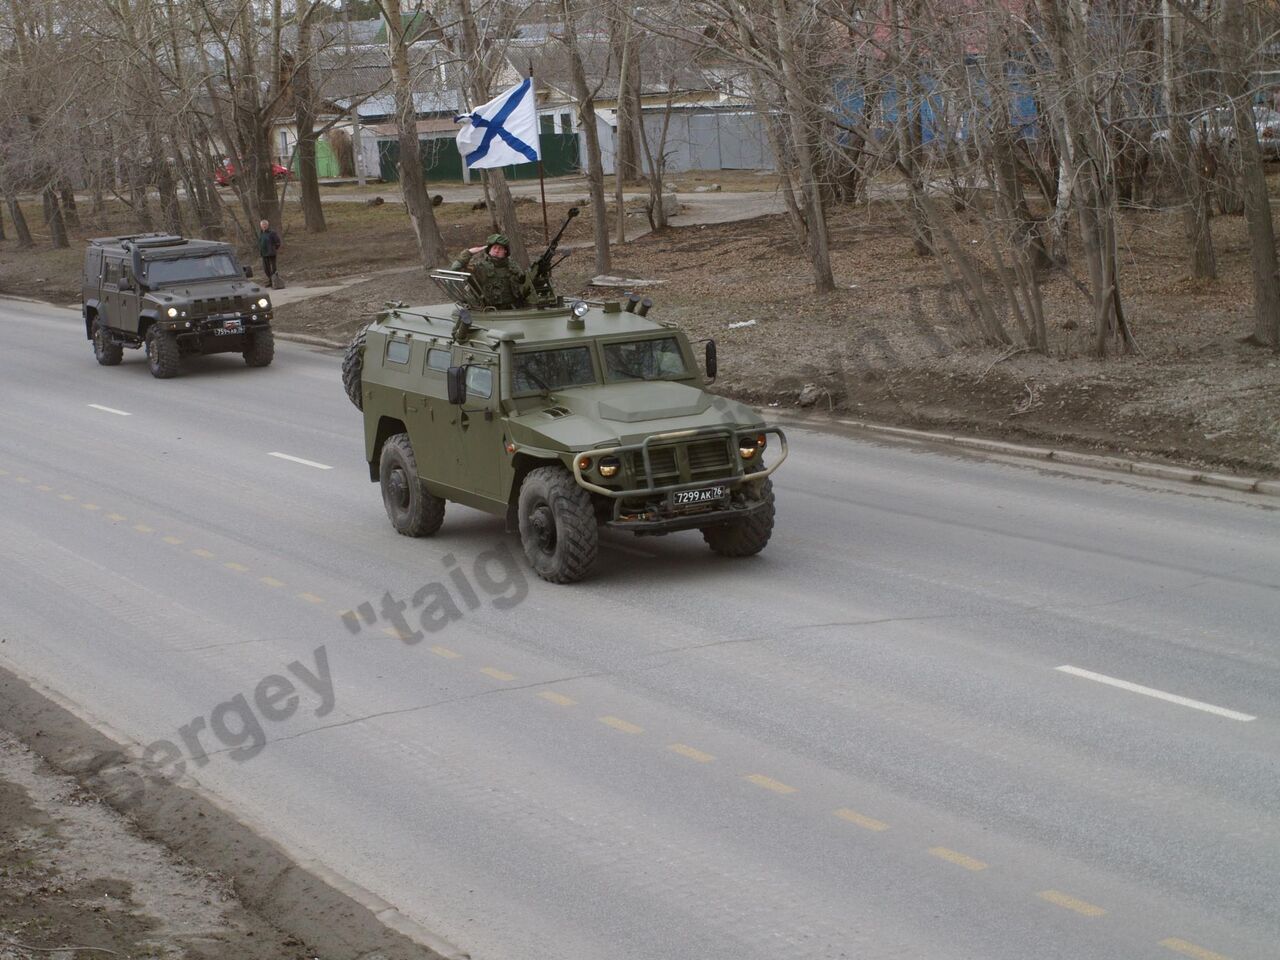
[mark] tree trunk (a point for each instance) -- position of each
(626, 155)
(21, 232)
(304, 113)
(1236, 73)
(57, 227)
(591, 133)
(69, 208)
(412, 182)
(2, 233)
(1185, 158)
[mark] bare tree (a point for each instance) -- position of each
(587, 124)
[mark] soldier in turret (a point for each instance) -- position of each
(502, 284)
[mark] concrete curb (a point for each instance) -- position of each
(1139, 468)
(310, 340)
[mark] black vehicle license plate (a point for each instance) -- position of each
(230, 326)
(685, 498)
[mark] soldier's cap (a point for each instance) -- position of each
(497, 238)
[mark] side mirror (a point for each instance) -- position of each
(248, 271)
(712, 366)
(456, 379)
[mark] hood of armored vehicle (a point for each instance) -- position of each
(203, 289)
(626, 412)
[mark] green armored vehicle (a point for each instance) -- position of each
(561, 417)
(177, 297)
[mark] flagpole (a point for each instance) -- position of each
(537, 132)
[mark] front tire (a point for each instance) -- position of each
(107, 351)
(746, 536)
(162, 353)
(411, 509)
(261, 349)
(557, 525)
(353, 367)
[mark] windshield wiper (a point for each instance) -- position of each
(536, 379)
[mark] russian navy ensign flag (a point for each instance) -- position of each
(502, 132)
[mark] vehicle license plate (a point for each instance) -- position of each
(231, 326)
(683, 498)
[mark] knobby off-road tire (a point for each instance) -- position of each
(411, 509)
(745, 536)
(261, 349)
(162, 353)
(557, 525)
(105, 350)
(353, 367)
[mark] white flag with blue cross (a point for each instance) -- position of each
(502, 132)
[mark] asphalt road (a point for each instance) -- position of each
(896, 733)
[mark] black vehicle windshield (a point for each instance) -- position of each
(653, 359)
(215, 266)
(551, 369)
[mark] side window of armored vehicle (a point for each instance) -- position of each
(480, 381)
(439, 359)
(112, 273)
(550, 369)
(398, 350)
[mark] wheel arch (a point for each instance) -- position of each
(90, 315)
(387, 427)
(522, 464)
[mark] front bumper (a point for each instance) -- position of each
(652, 508)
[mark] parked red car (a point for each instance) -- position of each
(227, 173)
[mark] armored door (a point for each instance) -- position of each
(480, 427)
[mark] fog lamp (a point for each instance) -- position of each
(172, 311)
(609, 467)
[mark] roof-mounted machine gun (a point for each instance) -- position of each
(542, 267)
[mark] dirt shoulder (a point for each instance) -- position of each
(100, 858)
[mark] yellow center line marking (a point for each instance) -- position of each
(43, 487)
(202, 552)
(619, 724)
(1188, 949)
(310, 598)
(687, 751)
(446, 653)
(3, 472)
(867, 823)
(173, 540)
(557, 698)
(90, 506)
(396, 633)
(497, 674)
(117, 517)
(61, 496)
(959, 859)
(143, 528)
(237, 567)
(271, 581)
(21, 480)
(777, 786)
(1071, 903)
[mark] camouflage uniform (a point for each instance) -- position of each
(502, 283)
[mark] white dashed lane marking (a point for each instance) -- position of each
(305, 463)
(118, 413)
(1158, 694)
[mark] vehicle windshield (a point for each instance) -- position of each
(188, 269)
(652, 359)
(550, 369)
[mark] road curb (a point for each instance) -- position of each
(1140, 468)
(310, 340)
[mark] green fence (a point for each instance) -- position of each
(442, 162)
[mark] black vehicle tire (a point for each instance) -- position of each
(412, 510)
(108, 352)
(745, 536)
(353, 367)
(261, 348)
(162, 353)
(557, 525)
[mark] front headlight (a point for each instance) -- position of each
(580, 308)
(609, 467)
(263, 302)
(172, 312)
(748, 447)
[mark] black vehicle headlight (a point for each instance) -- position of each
(749, 446)
(609, 467)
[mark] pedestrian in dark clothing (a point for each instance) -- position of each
(268, 246)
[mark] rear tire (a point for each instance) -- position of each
(745, 536)
(557, 525)
(353, 367)
(162, 353)
(261, 348)
(411, 509)
(107, 351)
